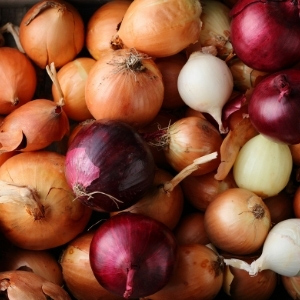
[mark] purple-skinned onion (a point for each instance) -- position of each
(133, 255)
(108, 165)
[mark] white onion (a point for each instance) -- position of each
(205, 84)
(281, 251)
(263, 166)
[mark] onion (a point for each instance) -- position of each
(263, 166)
(72, 79)
(52, 31)
(40, 262)
(186, 140)
(281, 251)
(108, 165)
(38, 210)
(295, 151)
(274, 106)
(77, 273)
(170, 68)
(255, 28)
(291, 285)
(239, 285)
(198, 274)
(160, 28)
(205, 84)
(190, 229)
(237, 221)
(125, 85)
(27, 285)
(132, 255)
(201, 190)
(18, 79)
(296, 203)
(103, 25)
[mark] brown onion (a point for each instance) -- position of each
(18, 79)
(161, 28)
(72, 79)
(198, 274)
(52, 31)
(77, 273)
(190, 229)
(125, 85)
(295, 150)
(103, 25)
(201, 190)
(40, 262)
(291, 285)
(237, 221)
(296, 203)
(38, 210)
(27, 285)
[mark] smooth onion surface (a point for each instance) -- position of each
(133, 255)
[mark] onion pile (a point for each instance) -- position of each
(150, 150)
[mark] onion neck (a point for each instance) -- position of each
(283, 86)
(131, 271)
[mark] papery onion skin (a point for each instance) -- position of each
(108, 165)
(133, 255)
(125, 85)
(77, 273)
(274, 106)
(255, 28)
(56, 218)
(198, 274)
(237, 221)
(56, 34)
(18, 79)
(161, 28)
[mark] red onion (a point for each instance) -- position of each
(109, 166)
(274, 106)
(265, 35)
(133, 255)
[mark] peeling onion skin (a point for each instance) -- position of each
(133, 255)
(256, 43)
(108, 158)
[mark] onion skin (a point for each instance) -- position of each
(249, 31)
(198, 275)
(161, 28)
(18, 79)
(237, 221)
(295, 150)
(132, 255)
(55, 218)
(77, 273)
(296, 203)
(109, 166)
(27, 285)
(39, 38)
(291, 285)
(274, 106)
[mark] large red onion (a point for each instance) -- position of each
(265, 35)
(274, 106)
(109, 166)
(133, 255)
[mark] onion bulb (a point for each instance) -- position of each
(52, 31)
(205, 84)
(280, 253)
(237, 221)
(160, 28)
(263, 166)
(291, 285)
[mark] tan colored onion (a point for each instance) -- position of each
(27, 286)
(160, 28)
(125, 85)
(52, 31)
(72, 79)
(291, 285)
(18, 79)
(77, 273)
(295, 151)
(103, 25)
(38, 209)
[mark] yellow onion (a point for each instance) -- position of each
(160, 28)
(52, 31)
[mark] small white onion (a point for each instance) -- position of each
(281, 251)
(263, 166)
(205, 84)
